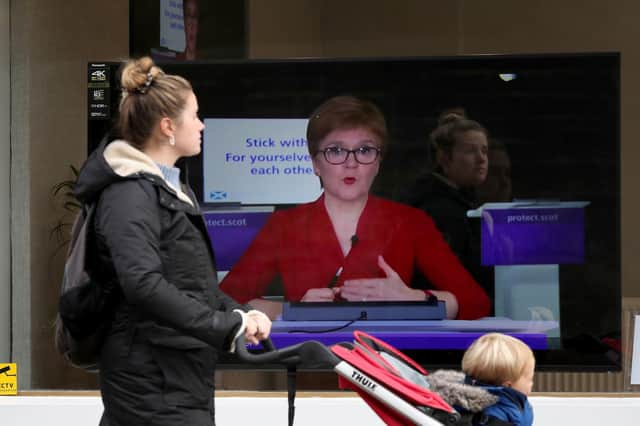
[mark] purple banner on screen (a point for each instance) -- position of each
(533, 236)
(232, 232)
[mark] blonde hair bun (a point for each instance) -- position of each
(138, 75)
(450, 115)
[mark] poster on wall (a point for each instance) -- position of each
(187, 30)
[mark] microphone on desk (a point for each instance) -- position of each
(354, 240)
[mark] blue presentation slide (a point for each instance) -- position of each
(257, 161)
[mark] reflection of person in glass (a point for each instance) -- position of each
(497, 186)
(191, 15)
(348, 244)
(446, 191)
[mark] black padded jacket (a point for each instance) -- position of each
(448, 207)
(153, 250)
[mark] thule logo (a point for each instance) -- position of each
(363, 380)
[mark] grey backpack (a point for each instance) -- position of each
(84, 310)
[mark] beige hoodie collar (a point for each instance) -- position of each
(126, 160)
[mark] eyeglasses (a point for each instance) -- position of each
(363, 155)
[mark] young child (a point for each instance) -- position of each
(504, 366)
(495, 383)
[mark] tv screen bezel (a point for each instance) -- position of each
(598, 357)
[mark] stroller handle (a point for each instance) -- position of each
(310, 353)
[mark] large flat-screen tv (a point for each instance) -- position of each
(556, 115)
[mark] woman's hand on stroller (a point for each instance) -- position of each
(258, 327)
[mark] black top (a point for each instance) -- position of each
(448, 207)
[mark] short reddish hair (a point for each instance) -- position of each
(344, 112)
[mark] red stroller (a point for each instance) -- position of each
(392, 384)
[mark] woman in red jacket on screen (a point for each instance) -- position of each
(348, 244)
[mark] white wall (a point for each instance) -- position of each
(51, 44)
(311, 411)
(5, 178)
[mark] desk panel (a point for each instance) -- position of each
(436, 334)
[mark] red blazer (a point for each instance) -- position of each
(300, 245)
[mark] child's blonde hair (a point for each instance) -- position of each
(495, 358)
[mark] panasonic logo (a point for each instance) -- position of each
(363, 380)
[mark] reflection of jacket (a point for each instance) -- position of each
(448, 207)
(300, 246)
(151, 240)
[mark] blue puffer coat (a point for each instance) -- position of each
(481, 404)
(512, 406)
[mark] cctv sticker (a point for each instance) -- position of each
(8, 379)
